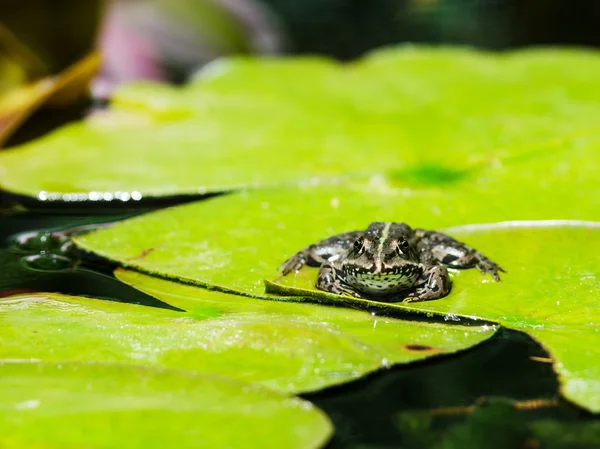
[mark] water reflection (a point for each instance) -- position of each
(36, 255)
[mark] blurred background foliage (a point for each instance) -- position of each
(58, 32)
(169, 40)
(62, 31)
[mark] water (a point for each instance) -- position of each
(37, 265)
(373, 412)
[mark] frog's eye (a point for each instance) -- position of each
(359, 246)
(402, 247)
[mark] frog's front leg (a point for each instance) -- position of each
(295, 262)
(329, 281)
(434, 283)
(319, 253)
(444, 249)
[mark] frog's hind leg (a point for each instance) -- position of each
(434, 283)
(329, 281)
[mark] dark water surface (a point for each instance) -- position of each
(500, 394)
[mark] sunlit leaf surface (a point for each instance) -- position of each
(446, 112)
(288, 347)
(72, 405)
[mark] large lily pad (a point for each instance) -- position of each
(69, 405)
(397, 109)
(288, 347)
(212, 243)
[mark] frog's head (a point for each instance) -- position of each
(383, 249)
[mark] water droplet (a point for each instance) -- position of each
(48, 262)
(38, 242)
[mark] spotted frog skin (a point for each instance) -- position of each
(389, 261)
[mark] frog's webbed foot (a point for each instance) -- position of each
(435, 283)
(294, 263)
(329, 281)
(485, 265)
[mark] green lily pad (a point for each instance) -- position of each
(287, 347)
(70, 405)
(399, 110)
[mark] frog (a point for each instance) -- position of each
(389, 261)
